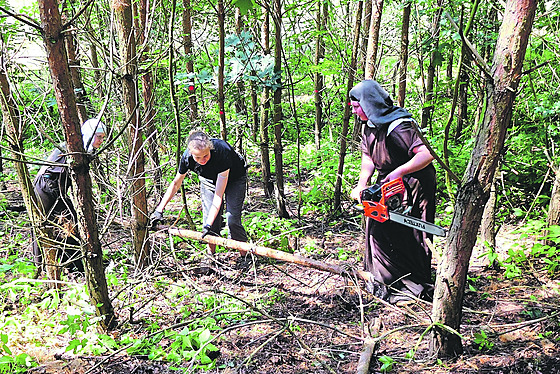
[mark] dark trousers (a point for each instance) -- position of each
(234, 196)
(62, 216)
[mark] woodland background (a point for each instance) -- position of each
(272, 79)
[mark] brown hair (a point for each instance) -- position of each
(199, 140)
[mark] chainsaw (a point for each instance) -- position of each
(384, 202)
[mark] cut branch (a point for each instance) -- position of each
(268, 252)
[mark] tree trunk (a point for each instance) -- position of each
(462, 97)
(429, 96)
(14, 136)
(347, 110)
(245, 247)
(82, 99)
(188, 45)
(373, 38)
(129, 73)
(403, 64)
(475, 187)
(240, 106)
(553, 218)
(148, 98)
(254, 110)
(278, 117)
(268, 185)
(488, 224)
(79, 163)
(318, 77)
(366, 15)
(221, 63)
(455, 97)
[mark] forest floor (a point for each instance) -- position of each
(299, 320)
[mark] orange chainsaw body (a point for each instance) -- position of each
(392, 195)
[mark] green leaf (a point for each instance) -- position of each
(243, 5)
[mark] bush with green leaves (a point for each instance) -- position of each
(270, 231)
(541, 251)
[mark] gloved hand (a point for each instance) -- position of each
(207, 229)
(156, 218)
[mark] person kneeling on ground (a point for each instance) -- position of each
(51, 186)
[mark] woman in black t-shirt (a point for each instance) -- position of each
(223, 176)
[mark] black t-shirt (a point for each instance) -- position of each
(222, 158)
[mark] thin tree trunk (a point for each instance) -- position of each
(129, 73)
(366, 14)
(278, 116)
(175, 105)
(148, 98)
(347, 111)
(318, 77)
(14, 136)
(488, 224)
(221, 63)
(268, 185)
(553, 218)
(462, 97)
(245, 247)
(79, 162)
(373, 38)
(404, 55)
(254, 110)
(82, 100)
(188, 48)
(429, 95)
(475, 187)
(240, 106)
(455, 97)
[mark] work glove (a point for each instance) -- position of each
(156, 218)
(207, 230)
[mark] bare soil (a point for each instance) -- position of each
(306, 321)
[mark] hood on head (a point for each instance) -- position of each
(89, 129)
(376, 104)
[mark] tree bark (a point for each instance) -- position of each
(366, 15)
(488, 224)
(429, 95)
(268, 185)
(347, 111)
(79, 163)
(373, 38)
(278, 116)
(475, 187)
(148, 97)
(403, 64)
(221, 63)
(318, 77)
(245, 247)
(14, 136)
(240, 106)
(82, 100)
(188, 49)
(553, 218)
(136, 175)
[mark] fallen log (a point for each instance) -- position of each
(245, 247)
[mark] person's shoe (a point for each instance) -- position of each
(377, 289)
(401, 298)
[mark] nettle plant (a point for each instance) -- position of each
(541, 251)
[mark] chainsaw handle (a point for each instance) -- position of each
(358, 207)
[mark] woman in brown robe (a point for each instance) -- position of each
(396, 255)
